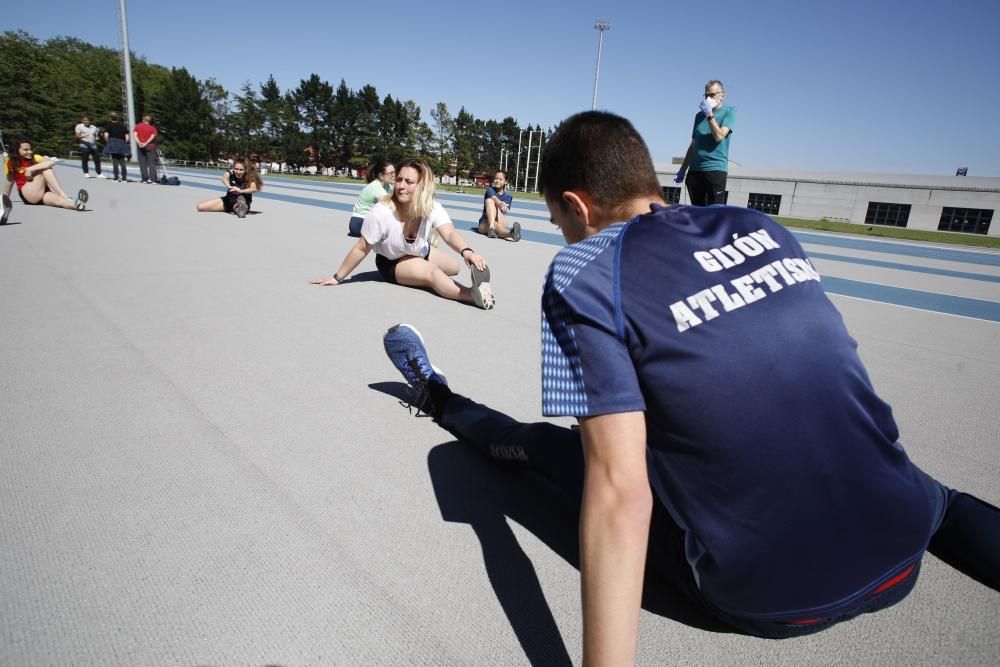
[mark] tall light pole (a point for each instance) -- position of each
(127, 70)
(600, 25)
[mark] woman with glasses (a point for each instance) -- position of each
(383, 175)
(399, 228)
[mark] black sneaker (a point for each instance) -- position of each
(241, 207)
(515, 232)
(81, 200)
(7, 208)
(482, 294)
(492, 234)
(405, 348)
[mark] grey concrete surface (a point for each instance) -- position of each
(203, 462)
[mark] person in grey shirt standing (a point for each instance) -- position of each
(86, 134)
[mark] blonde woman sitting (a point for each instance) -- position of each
(399, 227)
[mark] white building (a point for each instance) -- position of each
(945, 203)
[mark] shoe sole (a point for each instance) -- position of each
(482, 294)
(81, 200)
(241, 208)
(8, 206)
(515, 232)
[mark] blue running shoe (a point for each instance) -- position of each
(405, 349)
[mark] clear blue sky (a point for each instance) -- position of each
(851, 85)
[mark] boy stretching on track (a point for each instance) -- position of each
(730, 439)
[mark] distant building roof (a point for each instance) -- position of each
(859, 178)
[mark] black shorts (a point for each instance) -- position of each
(229, 201)
(706, 187)
(387, 267)
(32, 203)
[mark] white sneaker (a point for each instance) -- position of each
(87, 176)
(102, 176)
(482, 293)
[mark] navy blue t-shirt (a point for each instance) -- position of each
(506, 198)
(766, 441)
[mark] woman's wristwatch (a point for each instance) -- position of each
(462, 253)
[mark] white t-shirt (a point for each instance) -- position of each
(88, 135)
(383, 230)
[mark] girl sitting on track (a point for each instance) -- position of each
(382, 174)
(241, 182)
(399, 227)
(36, 182)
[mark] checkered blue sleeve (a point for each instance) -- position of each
(563, 390)
(586, 367)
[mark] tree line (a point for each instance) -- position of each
(45, 86)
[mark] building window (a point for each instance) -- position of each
(764, 203)
(672, 195)
(970, 220)
(881, 213)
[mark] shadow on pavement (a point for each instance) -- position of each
(472, 489)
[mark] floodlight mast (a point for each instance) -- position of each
(127, 70)
(601, 25)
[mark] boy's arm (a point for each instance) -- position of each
(614, 531)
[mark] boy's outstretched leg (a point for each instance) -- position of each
(552, 451)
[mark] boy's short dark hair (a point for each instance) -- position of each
(602, 154)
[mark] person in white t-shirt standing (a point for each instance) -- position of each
(86, 134)
(399, 228)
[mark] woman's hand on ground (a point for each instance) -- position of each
(325, 282)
